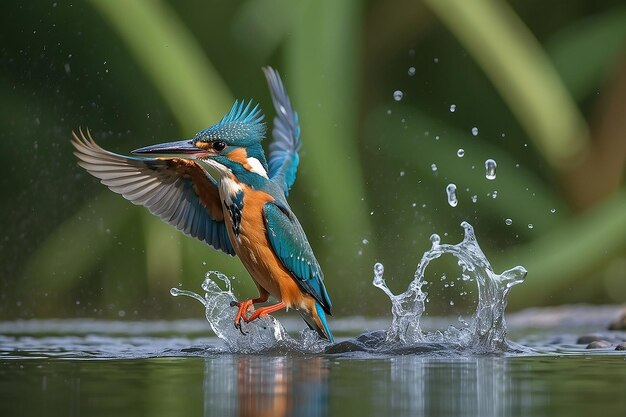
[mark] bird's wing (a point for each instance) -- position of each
(292, 248)
(283, 161)
(178, 191)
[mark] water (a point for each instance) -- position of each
(490, 169)
(97, 368)
(414, 366)
(486, 330)
(451, 193)
(397, 95)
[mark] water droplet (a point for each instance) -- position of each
(452, 108)
(460, 153)
(435, 239)
(490, 169)
(434, 167)
(451, 302)
(365, 241)
(175, 292)
(379, 269)
(451, 191)
(397, 95)
(552, 210)
(475, 131)
(494, 195)
(402, 173)
(411, 71)
(508, 222)
(530, 225)
(474, 198)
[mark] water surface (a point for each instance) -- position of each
(94, 368)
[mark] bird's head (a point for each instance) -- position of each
(231, 146)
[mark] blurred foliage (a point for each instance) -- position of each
(544, 85)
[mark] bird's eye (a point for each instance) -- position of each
(219, 145)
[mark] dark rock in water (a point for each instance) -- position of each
(365, 342)
(374, 342)
(586, 339)
(192, 349)
(621, 346)
(599, 344)
(619, 324)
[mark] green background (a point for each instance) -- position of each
(544, 83)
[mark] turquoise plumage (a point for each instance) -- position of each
(240, 208)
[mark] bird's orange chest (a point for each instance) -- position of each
(243, 214)
(243, 211)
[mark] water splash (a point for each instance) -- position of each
(490, 169)
(485, 331)
(265, 334)
(451, 192)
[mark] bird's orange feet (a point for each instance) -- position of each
(264, 311)
(244, 306)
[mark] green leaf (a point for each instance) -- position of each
(322, 76)
(518, 67)
(172, 58)
(522, 196)
(584, 52)
(78, 246)
(558, 258)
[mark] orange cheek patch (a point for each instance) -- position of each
(238, 155)
(204, 145)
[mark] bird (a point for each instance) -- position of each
(219, 187)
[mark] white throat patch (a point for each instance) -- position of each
(257, 167)
(228, 189)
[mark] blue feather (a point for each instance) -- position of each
(242, 126)
(292, 248)
(322, 317)
(283, 160)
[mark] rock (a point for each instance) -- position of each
(586, 339)
(621, 346)
(599, 344)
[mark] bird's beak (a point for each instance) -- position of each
(181, 147)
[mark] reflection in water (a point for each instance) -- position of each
(454, 386)
(265, 386)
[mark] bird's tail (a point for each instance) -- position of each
(316, 319)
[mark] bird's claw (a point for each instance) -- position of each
(238, 327)
(244, 306)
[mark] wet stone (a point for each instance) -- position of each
(621, 346)
(363, 343)
(586, 339)
(599, 344)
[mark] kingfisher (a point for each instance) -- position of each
(218, 187)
